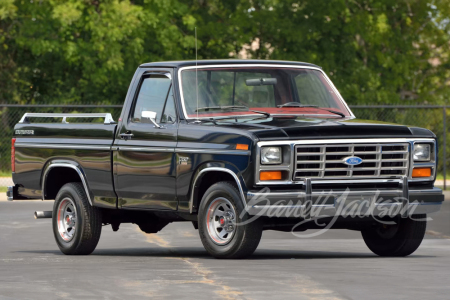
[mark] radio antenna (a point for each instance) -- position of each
(196, 69)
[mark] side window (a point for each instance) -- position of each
(152, 96)
(169, 114)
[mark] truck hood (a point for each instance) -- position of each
(314, 128)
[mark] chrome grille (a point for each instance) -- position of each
(327, 161)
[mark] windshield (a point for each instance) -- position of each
(236, 91)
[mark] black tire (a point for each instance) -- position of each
(245, 238)
(88, 226)
(401, 239)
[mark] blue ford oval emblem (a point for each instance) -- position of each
(352, 160)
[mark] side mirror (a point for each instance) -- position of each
(150, 115)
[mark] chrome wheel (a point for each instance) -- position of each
(67, 219)
(221, 221)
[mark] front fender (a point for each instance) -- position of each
(228, 168)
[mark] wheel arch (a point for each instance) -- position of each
(62, 172)
(215, 174)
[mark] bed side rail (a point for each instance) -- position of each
(107, 116)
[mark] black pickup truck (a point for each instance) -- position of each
(233, 147)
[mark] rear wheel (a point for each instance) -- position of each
(219, 223)
(76, 224)
(400, 239)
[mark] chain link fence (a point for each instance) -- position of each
(431, 117)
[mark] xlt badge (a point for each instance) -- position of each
(183, 160)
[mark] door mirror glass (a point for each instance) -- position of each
(150, 117)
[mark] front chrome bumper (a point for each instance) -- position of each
(349, 203)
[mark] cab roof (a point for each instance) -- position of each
(205, 62)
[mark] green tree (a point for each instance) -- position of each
(77, 51)
(375, 51)
(85, 51)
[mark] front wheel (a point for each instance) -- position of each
(76, 224)
(399, 239)
(219, 223)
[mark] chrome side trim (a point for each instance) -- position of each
(255, 65)
(108, 117)
(213, 151)
(241, 191)
(66, 165)
(65, 146)
(149, 149)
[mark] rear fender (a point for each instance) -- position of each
(72, 165)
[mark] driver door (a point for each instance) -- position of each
(145, 160)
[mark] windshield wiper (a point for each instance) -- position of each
(296, 104)
(333, 111)
(225, 107)
(260, 112)
(231, 107)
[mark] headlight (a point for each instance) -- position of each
(270, 155)
(422, 152)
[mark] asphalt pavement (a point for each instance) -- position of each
(172, 264)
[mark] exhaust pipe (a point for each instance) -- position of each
(43, 214)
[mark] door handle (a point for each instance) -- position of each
(126, 136)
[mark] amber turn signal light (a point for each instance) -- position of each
(270, 175)
(241, 147)
(421, 172)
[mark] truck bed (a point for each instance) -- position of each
(88, 145)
